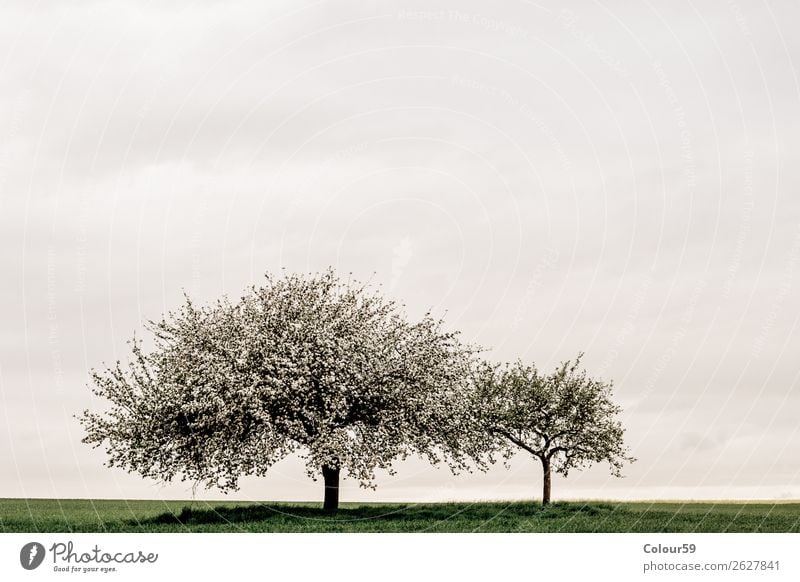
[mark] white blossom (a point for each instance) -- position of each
(311, 365)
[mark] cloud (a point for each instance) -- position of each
(557, 178)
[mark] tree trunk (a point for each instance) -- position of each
(331, 477)
(546, 480)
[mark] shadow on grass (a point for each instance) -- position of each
(388, 514)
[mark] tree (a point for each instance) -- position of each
(312, 364)
(565, 419)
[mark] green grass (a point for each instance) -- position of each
(72, 515)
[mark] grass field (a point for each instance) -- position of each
(60, 515)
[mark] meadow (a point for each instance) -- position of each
(75, 515)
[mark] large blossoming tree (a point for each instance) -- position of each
(566, 419)
(313, 365)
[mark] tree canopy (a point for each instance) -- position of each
(314, 365)
(566, 419)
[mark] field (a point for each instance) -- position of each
(60, 515)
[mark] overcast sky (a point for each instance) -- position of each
(619, 178)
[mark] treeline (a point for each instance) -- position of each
(330, 370)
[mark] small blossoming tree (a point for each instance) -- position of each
(565, 419)
(312, 365)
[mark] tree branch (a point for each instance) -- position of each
(517, 442)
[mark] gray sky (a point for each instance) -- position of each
(616, 178)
